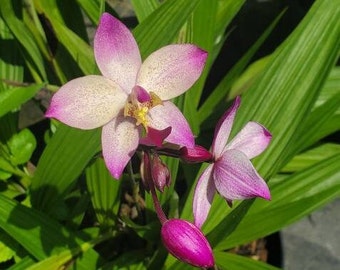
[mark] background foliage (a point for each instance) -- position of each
(59, 206)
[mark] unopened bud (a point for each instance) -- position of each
(196, 154)
(160, 174)
(187, 243)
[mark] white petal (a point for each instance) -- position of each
(120, 139)
(172, 70)
(252, 140)
(117, 52)
(223, 128)
(168, 115)
(236, 178)
(203, 197)
(87, 102)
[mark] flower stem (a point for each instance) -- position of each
(159, 211)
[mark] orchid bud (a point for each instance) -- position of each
(196, 154)
(160, 174)
(187, 243)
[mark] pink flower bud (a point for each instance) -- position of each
(160, 174)
(187, 243)
(196, 154)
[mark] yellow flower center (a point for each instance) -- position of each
(139, 110)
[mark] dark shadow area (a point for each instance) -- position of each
(274, 247)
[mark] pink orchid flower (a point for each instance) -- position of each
(231, 174)
(131, 97)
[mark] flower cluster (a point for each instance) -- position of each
(131, 102)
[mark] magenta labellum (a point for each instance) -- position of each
(187, 243)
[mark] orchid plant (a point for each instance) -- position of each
(131, 168)
(130, 102)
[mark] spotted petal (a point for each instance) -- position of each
(252, 140)
(223, 128)
(116, 51)
(235, 177)
(172, 70)
(168, 115)
(87, 102)
(203, 197)
(120, 139)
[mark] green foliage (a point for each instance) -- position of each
(59, 205)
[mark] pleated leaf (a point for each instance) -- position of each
(226, 261)
(12, 98)
(63, 160)
(104, 192)
(38, 234)
(23, 35)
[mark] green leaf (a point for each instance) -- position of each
(42, 236)
(291, 83)
(21, 146)
(62, 161)
(311, 157)
(144, 8)
(67, 257)
(11, 99)
(22, 264)
(216, 101)
(226, 261)
(104, 191)
(92, 9)
(162, 26)
(23, 35)
(11, 71)
(321, 122)
(7, 247)
(80, 51)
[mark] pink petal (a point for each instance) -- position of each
(223, 128)
(203, 197)
(155, 137)
(119, 141)
(235, 177)
(117, 52)
(168, 115)
(172, 70)
(196, 154)
(141, 94)
(87, 102)
(252, 140)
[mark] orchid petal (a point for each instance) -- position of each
(120, 139)
(223, 128)
(155, 137)
(172, 70)
(168, 115)
(236, 178)
(87, 102)
(116, 51)
(252, 140)
(203, 197)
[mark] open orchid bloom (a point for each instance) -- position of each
(130, 97)
(231, 173)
